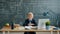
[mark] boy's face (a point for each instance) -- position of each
(30, 16)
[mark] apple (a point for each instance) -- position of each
(7, 24)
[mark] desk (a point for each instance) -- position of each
(6, 30)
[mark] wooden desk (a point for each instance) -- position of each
(37, 31)
(17, 31)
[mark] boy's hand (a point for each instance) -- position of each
(30, 24)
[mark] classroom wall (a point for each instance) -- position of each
(18, 9)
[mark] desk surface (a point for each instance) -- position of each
(24, 30)
(31, 30)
